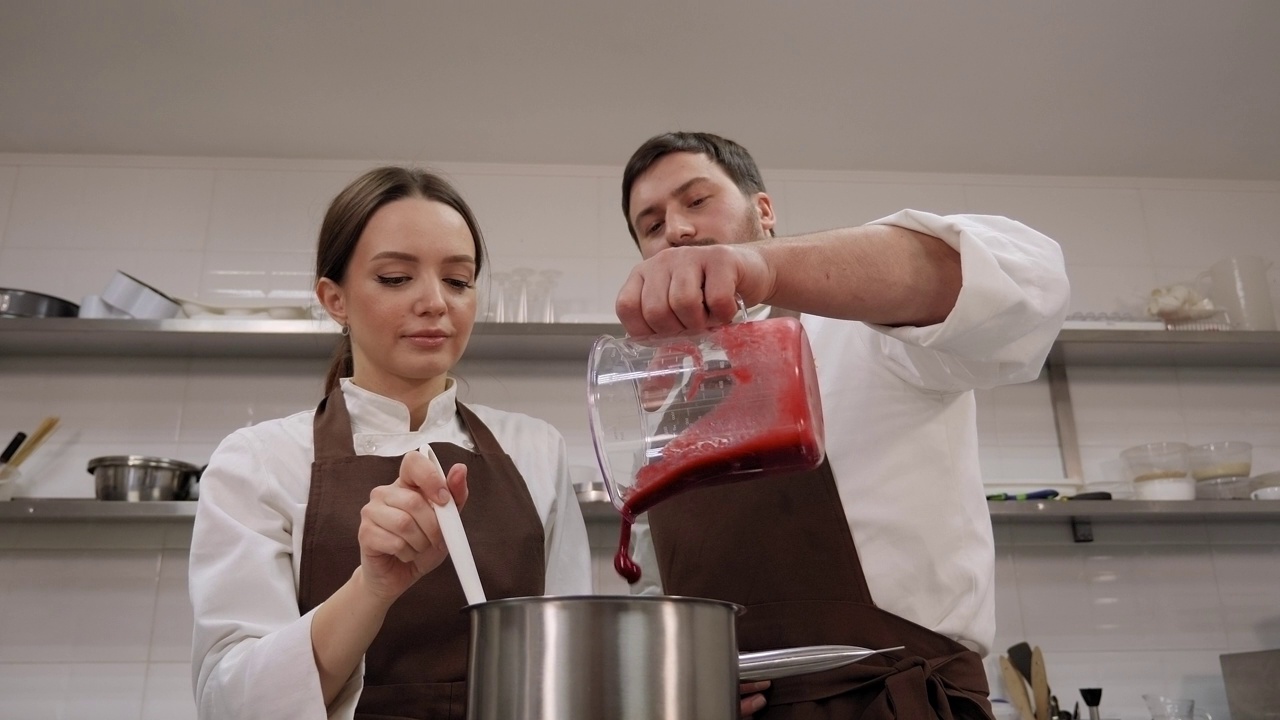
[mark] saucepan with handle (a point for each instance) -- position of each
(636, 657)
(603, 656)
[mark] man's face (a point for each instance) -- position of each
(686, 199)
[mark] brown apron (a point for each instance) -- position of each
(781, 547)
(416, 666)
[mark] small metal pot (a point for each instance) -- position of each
(24, 303)
(632, 657)
(139, 478)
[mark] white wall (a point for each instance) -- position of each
(101, 613)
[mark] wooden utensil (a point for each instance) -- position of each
(1039, 684)
(1017, 688)
(1020, 658)
(47, 426)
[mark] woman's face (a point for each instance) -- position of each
(409, 295)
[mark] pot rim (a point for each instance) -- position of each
(144, 461)
(605, 600)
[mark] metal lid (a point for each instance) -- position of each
(157, 463)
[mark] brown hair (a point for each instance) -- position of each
(347, 217)
(734, 159)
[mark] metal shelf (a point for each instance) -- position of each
(599, 510)
(84, 510)
(256, 338)
(1233, 348)
(261, 338)
(1099, 511)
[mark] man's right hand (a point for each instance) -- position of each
(752, 700)
(692, 288)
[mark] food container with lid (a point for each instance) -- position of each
(1229, 458)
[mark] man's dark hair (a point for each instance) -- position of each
(729, 155)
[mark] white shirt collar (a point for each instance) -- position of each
(372, 413)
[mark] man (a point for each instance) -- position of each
(889, 542)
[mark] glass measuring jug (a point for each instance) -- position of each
(734, 402)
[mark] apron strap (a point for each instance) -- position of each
(331, 429)
(480, 433)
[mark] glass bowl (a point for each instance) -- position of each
(1156, 461)
(1229, 458)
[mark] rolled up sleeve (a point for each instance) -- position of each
(1012, 302)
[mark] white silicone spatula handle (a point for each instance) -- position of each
(455, 538)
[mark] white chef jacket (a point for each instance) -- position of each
(901, 423)
(252, 654)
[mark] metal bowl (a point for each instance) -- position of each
(137, 478)
(24, 303)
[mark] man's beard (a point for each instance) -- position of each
(748, 230)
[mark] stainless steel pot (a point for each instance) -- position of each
(138, 478)
(624, 657)
(24, 303)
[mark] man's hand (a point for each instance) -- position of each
(752, 701)
(692, 288)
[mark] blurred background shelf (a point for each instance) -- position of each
(255, 337)
(1013, 511)
(1168, 347)
(1020, 511)
(260, 338)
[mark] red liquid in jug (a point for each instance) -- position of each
(765, 424)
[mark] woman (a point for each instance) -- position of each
(316, 561)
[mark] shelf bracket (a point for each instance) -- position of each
(1064, 418)
(1081, 529)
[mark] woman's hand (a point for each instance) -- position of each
(400, 538)
(752, 700)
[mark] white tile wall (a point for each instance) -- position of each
(8, 177)
(100, 622)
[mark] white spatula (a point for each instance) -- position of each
(455, 538)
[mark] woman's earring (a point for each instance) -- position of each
(346, 329)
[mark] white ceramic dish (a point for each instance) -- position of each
(197, 309)
(128, 294)
(1267, 493)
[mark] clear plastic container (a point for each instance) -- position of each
(1229, 458)
(8, 481)
(1156, 461)
(1224, 488)
(735, 402)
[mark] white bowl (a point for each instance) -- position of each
(1267, 493)
(1183, 488)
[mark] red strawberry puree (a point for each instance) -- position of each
(770, 422)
